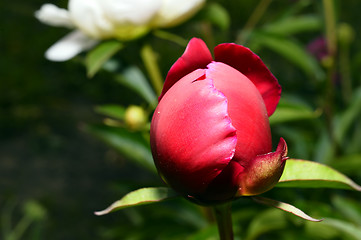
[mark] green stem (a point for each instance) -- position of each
(345, 38)
(152, 67)
(20, 228)
(346, 81)
(6, 218)
(223, 217)
(330, 25)
(253, 20)
(170, 37)
(208, 35)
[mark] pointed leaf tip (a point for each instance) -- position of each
(285, 207)
(140, 197)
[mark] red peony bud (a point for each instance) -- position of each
(210, 134)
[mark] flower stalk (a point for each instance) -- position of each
(223, 217)
(253, 20)
(331, 39)
(152, 67)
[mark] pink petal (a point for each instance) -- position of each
(246, 109)
(248, 63)
(264, 171)
(192, 138)
(196, 56)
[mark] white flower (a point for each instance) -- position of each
(94, 20)
(54, 16)
(173, 12)
(69, 46)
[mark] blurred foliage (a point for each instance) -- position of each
(50, 112)
(33, 216)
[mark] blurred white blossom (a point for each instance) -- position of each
(95, 20)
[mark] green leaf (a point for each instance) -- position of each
(348, 164)
(99, 55)
(171, 37)
(308, 174)
(208, 233)
(287, 112)
(285, 207)
(131, 145)
(324, 150)
(133, 78)
(111, 110)
(217, 15)
(350, 229)
(349, 208)
(344, 122)
(292, 25)
(295, 8)
(140, 197)
(264, 222)
(318, 230)
(291, 50)
(150, 60)
(353, 143)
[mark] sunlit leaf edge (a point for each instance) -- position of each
(99, 55)
(292, 177)
(285, 207)
(140, 197)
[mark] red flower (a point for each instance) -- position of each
(210, 134)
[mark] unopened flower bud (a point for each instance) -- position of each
(135, 117)
(346, 34)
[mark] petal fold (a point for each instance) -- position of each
(248, 63)
(196, 56)
(192, 137)
(90, 17)
(246, 109)
(224, 187)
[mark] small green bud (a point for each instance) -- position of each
(346, 34)
(34, 210)
(135, 117)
